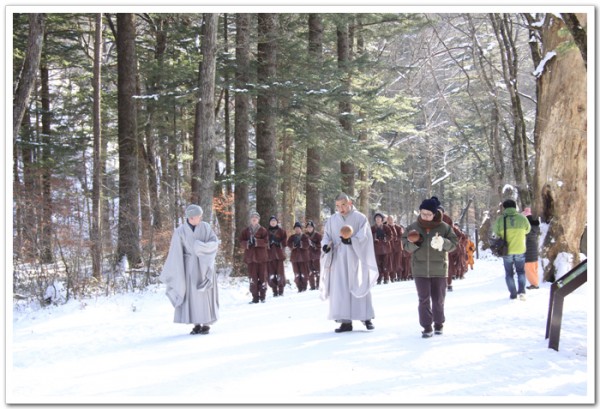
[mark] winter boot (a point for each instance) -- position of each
(204, 329)
(369, 325)
(427, 332)
(196, 330)
(345, 327)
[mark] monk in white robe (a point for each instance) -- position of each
(189, 273)
(349, 267)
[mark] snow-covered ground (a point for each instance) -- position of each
(126, 349)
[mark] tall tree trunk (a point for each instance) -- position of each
(154, 87)
(561, 132)
(227, 212)
(344, 45)
(287, 200)
(363, 170)
(173, 177)
(203, 174)
(503, 28)
(18, 189)
(29, 70)
(266, 140)
(145, 213)
(45, 222)
(30, 191)
(313, 152)
(96, 227)
(129, 212)
(241, 128)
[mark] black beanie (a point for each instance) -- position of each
(378, 215)
(273, 217)
(297, 224)
(310, 223)
(509, 203)
(430, 204)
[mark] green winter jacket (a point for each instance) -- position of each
(517, 227)
(425, 260)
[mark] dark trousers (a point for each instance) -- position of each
(383, 264)
(257, 272)
(276, 276)
(301, 274)
(431, 293)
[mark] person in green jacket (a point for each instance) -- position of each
(517, 227)
(429, 240)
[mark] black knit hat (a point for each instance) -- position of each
(378, 215)
(273, 218)
(430, 204)
(509, 203)
(297, 224)
(310, 223)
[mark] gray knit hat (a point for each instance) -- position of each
(193, 211)
(254, 214)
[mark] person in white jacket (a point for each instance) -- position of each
(189, 272)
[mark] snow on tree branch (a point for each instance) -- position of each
(540, 68)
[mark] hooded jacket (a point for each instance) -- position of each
(517, 227)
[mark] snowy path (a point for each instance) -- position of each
(125, 349)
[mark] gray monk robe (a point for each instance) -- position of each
(348, 271)
(189, 273)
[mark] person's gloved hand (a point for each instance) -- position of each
(437, 242)
(326, 249)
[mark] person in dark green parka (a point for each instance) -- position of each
(429, 240)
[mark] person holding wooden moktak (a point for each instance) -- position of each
(348, 266)
(429, 240)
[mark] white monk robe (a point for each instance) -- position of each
(189, 273)
(348, 271)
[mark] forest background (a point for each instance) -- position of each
(122, 119)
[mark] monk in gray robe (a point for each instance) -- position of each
(348, 266)
(189, 272)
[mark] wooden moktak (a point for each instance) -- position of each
(346, 232)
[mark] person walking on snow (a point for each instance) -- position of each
(532, 251)
(298, 243)
(517, 227)
(255, 240)
(429, 240)
(275, 269)
(189, 272)
(470, 253)
(314, 251)
(348, 266)
(396, 262)
(382, 242)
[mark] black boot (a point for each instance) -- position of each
(369, 325)
(196, 330)
(345, 327)
(204, 329)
